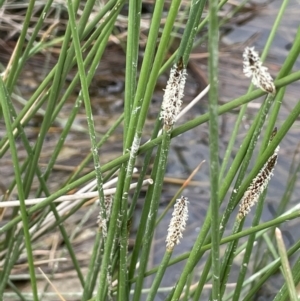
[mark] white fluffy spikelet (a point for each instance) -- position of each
(172, 101)
(252, 67)
(258, 185)
(177, 223)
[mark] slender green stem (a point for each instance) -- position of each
(95, 53)
(108, 6)
(89, 156)
(190, 30)
(29, 45)
(200, 27)
(203, 279)
(286, 69)
(71, 57)
(286, 266)
(93, 270)
(150, 223)
(50, 107)
(5, 271)
(4, 98)
(12, 256)
(142, 176)
(283, 293)
(53, 208)
(213, 48)
(229, 256)
(87, 103)
(141, 103)
(290, 186)
(188, 287)
(16, 290)
(193, 257)
(134, 19)
(19, 48)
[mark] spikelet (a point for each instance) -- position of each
(172, 101)
(252, 67)
(177, 223)
(258, 184)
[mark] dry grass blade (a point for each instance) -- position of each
(76, 196)
(52, 285)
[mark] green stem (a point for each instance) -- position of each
(93, 270)
(4, 99)
(87, 103)
(213, 48)
(133, 35)
(19, 48)
(289, 279)
(155, 194)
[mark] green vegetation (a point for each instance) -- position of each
(73, 44)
